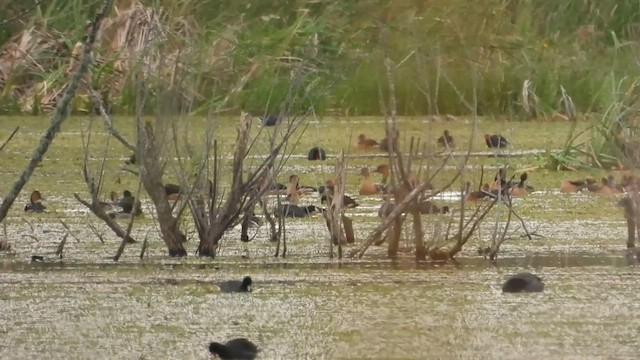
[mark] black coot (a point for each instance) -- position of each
(232, 286)
(523, 282)
(236, 349)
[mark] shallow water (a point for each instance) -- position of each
(328, 311)
(85, 306)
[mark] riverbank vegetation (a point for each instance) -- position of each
(444, 51)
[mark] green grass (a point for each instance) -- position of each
(61, 169)
(443, 50)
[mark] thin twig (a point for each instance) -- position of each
(9, 138)
(60, 115)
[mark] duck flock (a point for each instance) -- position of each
(240, 348)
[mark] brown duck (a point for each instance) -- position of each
(366, 143)
(572, 186)
(521, 189)
(367, 187)
(35, 203)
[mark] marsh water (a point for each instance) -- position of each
(307, 306)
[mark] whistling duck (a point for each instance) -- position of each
(446, 140)
(316, 153)
(327, 192)
(571, 186)
(367, 187)
(521, 189)
(365, 143)
(232, 286)
(270, 120)
(606, 187)
(383, 169)
(35, 203)
(484, 193)
(295, 211)
(495, 141)
(427, 207)
(390, 142)
(500, 182)
(523, 282)
(172, 191)
(130, 206)
(236, 349)
(294, 190)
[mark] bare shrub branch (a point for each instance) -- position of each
(60, 115)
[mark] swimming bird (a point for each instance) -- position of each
(521, 189)
(233, 286)
(236, 349)
(383, 169)
(495, 141)
(523, 282)
(446, 140)
(328, 191)
(172, 191)
(35, 203)
(294, 182)
(132, 160)
(500, 182)
(606, 187)
(484, 193)
(390, 142)
(570, 186)
(367, 187)
(295, 211)
(270, 120)
(130, 206)
(365, 143)
(316, 153)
